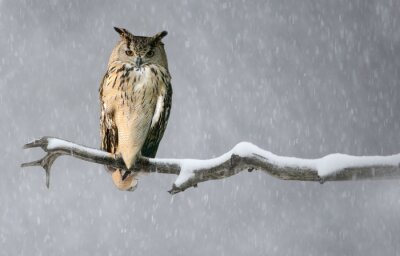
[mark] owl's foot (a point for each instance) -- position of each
(125, 174)
(127, 183)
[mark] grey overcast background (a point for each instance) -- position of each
(298, 78)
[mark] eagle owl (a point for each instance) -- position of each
(135, 97)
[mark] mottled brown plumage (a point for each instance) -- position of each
(135, 96)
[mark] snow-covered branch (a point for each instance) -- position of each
(244, 156)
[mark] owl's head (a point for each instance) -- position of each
(139, 50)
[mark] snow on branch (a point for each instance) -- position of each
(244, 156)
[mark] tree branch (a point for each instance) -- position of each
(244, 156)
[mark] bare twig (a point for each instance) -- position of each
(244, 156)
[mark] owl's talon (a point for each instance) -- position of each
(125, 175)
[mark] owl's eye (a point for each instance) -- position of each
(129, 52)
(150, 54)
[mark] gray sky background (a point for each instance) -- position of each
(298, 78)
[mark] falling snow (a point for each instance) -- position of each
(297, 78)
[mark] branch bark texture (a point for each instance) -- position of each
(244, 156)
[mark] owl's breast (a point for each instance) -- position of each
(131, 88)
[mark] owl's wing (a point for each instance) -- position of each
(158, 125)
(108, 128)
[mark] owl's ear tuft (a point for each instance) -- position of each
(123, 32)
(157, 38)
(119, 30)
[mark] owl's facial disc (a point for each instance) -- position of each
(140, 51)
(143, 55)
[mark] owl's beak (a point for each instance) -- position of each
(139, 62)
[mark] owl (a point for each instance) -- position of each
(135, 99)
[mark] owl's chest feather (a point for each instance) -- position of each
(130, 88)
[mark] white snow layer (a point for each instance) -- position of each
(325, 166)
(54, 143)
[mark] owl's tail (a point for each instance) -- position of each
(125, 181)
